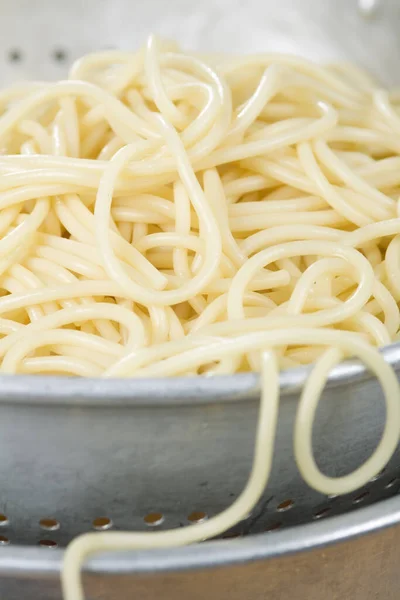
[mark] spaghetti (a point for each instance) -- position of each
(164, 214)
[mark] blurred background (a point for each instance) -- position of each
(39, 39)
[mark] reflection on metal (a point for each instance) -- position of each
(369, 8)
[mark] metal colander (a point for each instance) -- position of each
(78, 455)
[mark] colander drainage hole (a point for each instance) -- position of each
(14, 55)
(102, 523)
(231, 536)
(274, 526)
(49, 524)
(59, 55)
(3, 520)
(197, 516)
(48, 544)
(392, 482)
(323, 512)
(154, 519)
(4, 541)
(285, 505)
(360, 497)
(378, 475)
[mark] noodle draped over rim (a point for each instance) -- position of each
(172, 214)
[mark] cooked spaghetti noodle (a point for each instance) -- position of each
(168, 214)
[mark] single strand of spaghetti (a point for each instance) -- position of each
(306, 410)
(138, 215)
(266, 281)
(269, 255)
(85, 545)
(371, 232)
(33, 192)
(214, 190)
(182, 227)
(159, 324)
(167, 239)
(288, 233)
(58, 138)
(71, 125)
(307, 203)
(252, 222)
(8, 217)
(243, 185)
(176, 330)
(392, 266)
(149, 201)
(389, 307)
(60, 365)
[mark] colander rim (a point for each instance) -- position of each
(175, 391)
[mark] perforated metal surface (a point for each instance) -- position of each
(140, 454)
(82, 455)
(39, 39)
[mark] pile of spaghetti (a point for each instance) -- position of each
(172, 214)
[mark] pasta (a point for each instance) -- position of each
(172, 214)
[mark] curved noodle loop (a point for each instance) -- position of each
(164, 213)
